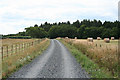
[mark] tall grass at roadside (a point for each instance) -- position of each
(103, 54)
(14, 62)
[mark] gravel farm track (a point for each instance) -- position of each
(55, 62)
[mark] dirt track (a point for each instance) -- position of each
(55, 62)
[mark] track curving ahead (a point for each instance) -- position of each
(55, 62)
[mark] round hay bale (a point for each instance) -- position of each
(107, 40)
(112, 38)
(75, 37)
(58, 38)
(98, 38)
(90, 39)
(66, 37)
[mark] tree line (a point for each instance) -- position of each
(81, 29)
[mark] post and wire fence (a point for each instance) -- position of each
(9, 50)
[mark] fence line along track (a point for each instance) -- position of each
(9, 50)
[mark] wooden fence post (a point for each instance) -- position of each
(19, 47)
(24, 45)
(32, 43)
(29, 44)
(7, 50)
(16, 48)
(2, 52)
(12, 50)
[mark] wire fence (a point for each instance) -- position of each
(7, 51)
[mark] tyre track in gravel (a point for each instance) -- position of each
(55, 62)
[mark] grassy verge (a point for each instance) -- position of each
(14, 62)
(90, 66)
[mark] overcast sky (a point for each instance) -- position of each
(15, 15)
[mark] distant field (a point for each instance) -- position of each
(6, 42)
(113, 42)
(98, 43)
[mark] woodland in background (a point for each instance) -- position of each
(81, 29)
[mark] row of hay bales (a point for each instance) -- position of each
(107, 40)
(90, 39)
(99, 38)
